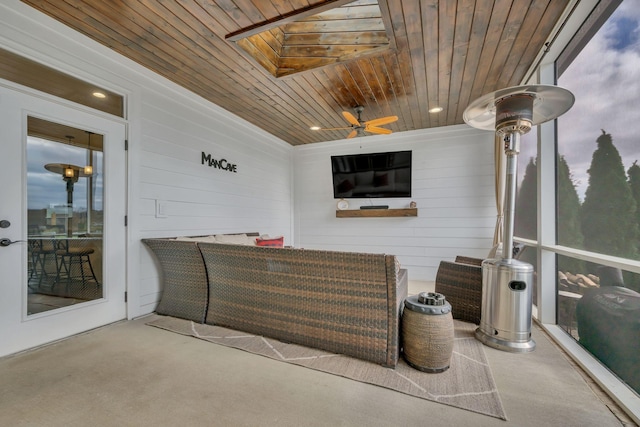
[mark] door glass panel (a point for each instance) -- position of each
(65, 215)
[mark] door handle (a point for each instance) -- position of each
(7, 242)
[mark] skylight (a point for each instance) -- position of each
(352, 31)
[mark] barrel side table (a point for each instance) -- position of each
(427, 332)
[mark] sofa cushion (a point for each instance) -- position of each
(234, 239)
(277, 242)
(210, 239)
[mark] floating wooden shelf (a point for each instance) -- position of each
(363, 213)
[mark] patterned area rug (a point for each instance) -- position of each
(467, 384)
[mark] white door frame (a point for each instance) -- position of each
(18, 330)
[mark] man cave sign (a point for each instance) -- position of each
(218, 164)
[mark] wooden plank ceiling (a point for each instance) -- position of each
(287, 65)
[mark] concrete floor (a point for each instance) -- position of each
(130, 374)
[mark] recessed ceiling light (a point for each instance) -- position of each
(315, 128)
(436, 109)
(99, 95)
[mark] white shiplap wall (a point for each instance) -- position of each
(199, 199)
(452, 184)
(168, 128)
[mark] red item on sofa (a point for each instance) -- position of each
(277, 242)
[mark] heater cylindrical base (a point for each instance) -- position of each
(505, 345)
(506, 305)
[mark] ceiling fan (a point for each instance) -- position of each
(359, 126)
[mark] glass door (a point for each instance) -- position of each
(65, 215)
(62, 253)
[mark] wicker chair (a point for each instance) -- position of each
(461, 283)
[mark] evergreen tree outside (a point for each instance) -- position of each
(608, 214)
(569, 230)
(633, 280)
(634, 183)
(525, 221)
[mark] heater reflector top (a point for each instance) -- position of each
(511, 108)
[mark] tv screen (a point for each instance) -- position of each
(363, 176)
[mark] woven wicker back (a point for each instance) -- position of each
(397, 290)
(185, 290)
(336, 301)
(461, 284)
(469, 260)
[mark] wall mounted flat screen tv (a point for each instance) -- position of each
(375, 175)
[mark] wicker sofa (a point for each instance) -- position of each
(343, 302)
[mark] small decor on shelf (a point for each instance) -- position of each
(342, 205)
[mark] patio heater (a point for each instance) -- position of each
(70, 174)
(505, 321)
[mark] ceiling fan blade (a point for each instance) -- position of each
(342, 128)
(351, 118)
(381, 121)
(353, 134)
(375, 129)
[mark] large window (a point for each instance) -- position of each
(598, 189)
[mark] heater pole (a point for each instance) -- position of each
(511, 150)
